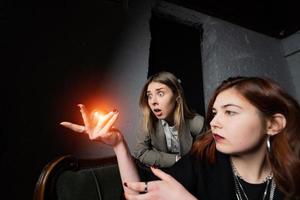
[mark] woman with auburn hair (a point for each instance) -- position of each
(250, 150)
(280, 115)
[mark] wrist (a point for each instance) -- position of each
(119, 147)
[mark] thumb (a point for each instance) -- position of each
(161, 174)
(73, 127)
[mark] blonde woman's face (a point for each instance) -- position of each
(161, 101)
(237, 125)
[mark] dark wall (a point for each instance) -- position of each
(54, 58)
(176, 47)
(230, 50)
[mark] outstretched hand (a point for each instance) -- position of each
(97, 129)
(164, 189)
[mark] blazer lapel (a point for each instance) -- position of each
(160, 137)
(185, 140)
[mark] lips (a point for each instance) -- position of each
(157, 112)
(218, 138)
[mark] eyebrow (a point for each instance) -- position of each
(230, 104)
(158, 89)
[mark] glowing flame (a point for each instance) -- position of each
(99, 116)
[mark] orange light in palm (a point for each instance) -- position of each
(99, 116)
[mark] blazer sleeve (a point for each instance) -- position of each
(196, 125)
(149, 155)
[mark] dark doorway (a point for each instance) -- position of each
(176, 47)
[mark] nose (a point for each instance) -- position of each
(153, 100)
(215, 122)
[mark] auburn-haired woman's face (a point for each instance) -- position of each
(161, 101)
(237, 125)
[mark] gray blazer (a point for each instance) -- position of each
(151, 149)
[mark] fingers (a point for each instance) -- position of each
(101, 122)
(85, 117)
(109, 123)
(74, 127)
(139, 186)
(104, 126)
(162, 175)
(130, 196)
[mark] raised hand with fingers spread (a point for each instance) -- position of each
(102, 130)
(97, 129)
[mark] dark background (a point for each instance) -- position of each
(55, 53)
(277, 19)
(175, 47)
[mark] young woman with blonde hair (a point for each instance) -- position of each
(169, 127)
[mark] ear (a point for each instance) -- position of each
(276, 124)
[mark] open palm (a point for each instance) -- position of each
(99, 130)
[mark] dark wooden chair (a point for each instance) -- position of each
(69, 178)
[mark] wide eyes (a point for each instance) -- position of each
(159, 93)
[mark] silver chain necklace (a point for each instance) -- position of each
(240, 192)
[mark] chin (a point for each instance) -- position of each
(223, 149)
(161, 117)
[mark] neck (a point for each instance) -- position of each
(170, 120)
(252, 168)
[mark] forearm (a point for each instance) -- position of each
(126, 164)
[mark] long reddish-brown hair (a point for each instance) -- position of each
(269, 99)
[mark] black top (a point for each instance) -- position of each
(255, 191)
(213, 181)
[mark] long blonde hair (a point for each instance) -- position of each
(181, 112)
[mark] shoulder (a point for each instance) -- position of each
(202, 177)
(192, 162)
(197, 119)
(188, 163)
(222, 160)
(196, 123)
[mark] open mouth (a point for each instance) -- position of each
(157, 112)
